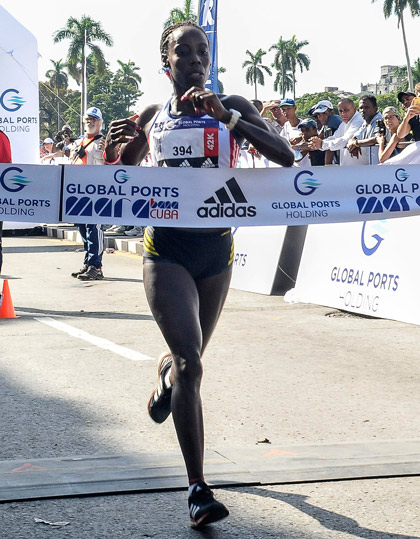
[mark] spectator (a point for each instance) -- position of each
(89, 151)
(406, 98)
(363, 145)
(310, 158)
(328, 123)
(291, 130)
(273, 114)
(352, 121)
(5, 157)
(388, 140)
(411, 121)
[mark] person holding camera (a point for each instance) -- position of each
(89, 151)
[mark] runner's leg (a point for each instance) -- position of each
(187, 313)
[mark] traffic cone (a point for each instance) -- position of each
(6, 304)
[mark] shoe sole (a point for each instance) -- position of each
(208, 518)
(164, 399)
(99, 278)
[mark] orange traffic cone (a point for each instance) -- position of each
(6, 304)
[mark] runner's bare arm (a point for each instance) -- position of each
(127, 138)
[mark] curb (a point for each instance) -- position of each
(112, 241)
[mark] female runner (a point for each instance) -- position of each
(187, 272)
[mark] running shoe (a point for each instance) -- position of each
(204, 509)
(159, 405)
(80, 272)
(91, 274)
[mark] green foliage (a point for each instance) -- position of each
(114, 95)
(186, 13)
(254, 72)
(304, 103)
(83, 34)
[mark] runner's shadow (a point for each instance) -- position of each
(82, 314)
(328, 519)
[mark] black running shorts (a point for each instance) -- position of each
(201, 254)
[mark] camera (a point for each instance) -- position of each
(380, 127)
(59, 139)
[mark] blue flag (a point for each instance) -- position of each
(208, 21)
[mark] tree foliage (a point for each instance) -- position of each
(186, 13)
(255, 69)
(114, 94)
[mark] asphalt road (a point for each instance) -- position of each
(294, 374)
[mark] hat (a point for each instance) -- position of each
(287, 102)
(307, 122)
(95, 112)
(48, 141)
(401, 94)
(66, 127)
(322, 106)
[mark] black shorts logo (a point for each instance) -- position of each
(228, 201)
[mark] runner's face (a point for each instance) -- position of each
(189, 58)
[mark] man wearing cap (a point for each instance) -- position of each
(352, 120)
(310, 158)
(328, 123)
(411, 121)
(290, 130)
(89, 151)
(363, 145)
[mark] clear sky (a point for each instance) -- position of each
(348, 41)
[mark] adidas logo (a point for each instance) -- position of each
(185, 163)
(228, 201)
(208, 163)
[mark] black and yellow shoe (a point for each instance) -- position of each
(159, 405)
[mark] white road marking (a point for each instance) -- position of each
(97, 341)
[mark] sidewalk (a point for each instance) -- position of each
(118, 242)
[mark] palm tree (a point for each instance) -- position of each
(255, 67)
(127, 73)
(283, 62)
(82, 34)
(58, 80)
(187, 13)
(401, 71)
(299, 59)
(397, 7)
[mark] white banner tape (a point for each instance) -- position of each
(206, 198)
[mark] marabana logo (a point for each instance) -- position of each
(228, 201)
(11, 103)
(15, 183)
(121, 176)
(305, 184)
(373, 247)
(401, 175)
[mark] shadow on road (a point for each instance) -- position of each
(21, 311)
(328, 519)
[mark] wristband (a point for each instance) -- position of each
(234, 119)
(111, 162)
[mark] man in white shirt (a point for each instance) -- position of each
(352, 121)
